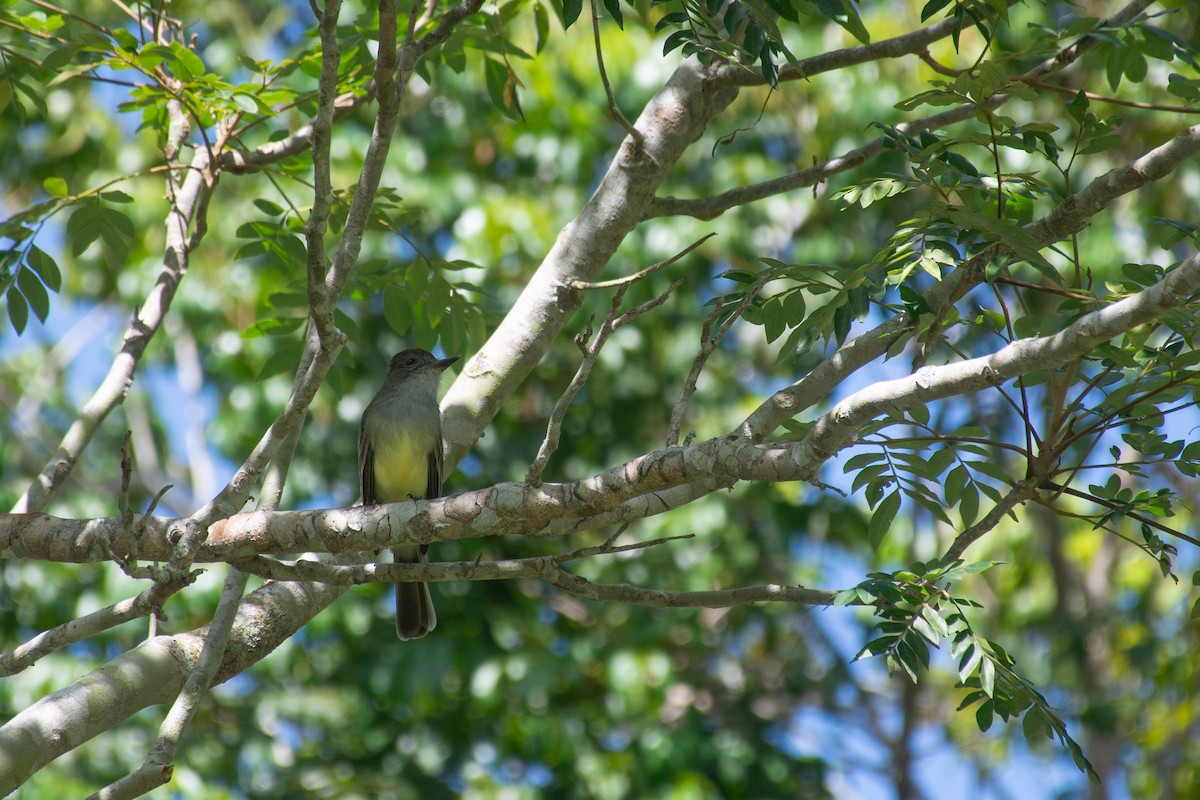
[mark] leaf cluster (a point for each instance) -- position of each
(917, 611)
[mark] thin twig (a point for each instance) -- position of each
(433, 572)
(157, 769)
(708, 343)
(591, 352)
(637, 276)
(1133, 515)
(1019, 494)
(547, 568)
(660, 598)
(315, 226)
(186, 203)
(633, 132)
(148, 602)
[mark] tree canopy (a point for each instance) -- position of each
(826, 421)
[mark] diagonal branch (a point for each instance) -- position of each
(670, 122)
(1068, 217)
(150, 674)
(188, 201)
(319, 357)
(552, 509)
(909, 44)
(716, 205)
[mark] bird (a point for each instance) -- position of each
(400, 458)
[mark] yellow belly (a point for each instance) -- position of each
(401, 467)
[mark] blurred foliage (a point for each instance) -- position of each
(522, 691)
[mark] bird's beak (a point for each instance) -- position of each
(442, 363)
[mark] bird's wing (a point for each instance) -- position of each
(433, 476)
(366, 468)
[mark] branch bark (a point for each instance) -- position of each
(552, 509)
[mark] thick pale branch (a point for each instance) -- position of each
(49, 727)
(669, 123)
(552, 509)
(151, 674)
(1067, 218)
(834, 430)
(672, 120)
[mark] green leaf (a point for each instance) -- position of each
(1008, 233)
(570, 12)
(919, 414)
(436, 300)
(983, 715)
(735, 14)
(785, 9)
(1135, 67)
(125, 40)
(245, 102)
(956, 480)
(286, 356)
(83, 228)
(1034, 725)
(1115, 66)
(871, 474)
(45, 267)
(541, 22)
(35, 293)
(845, 14)
(921, 626)
(677, 39)
(613, 7)
(968, 507)
(416, 278)
(268, 208)
(56, 186)
(184, 63)
(845, 597)
(502, 88)
(396, 310)
(59, 57)
(970, 660)
(774, 320)
(987, 677)
(909, 659)
(862, 460)
(882, 519)
(932, 7)
(18, 310)
(930, 615)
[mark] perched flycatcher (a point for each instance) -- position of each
(400, 457)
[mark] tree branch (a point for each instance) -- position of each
(554, 509)
(186, 202)
(669, 123)
(1067, 218)
(150, 674)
